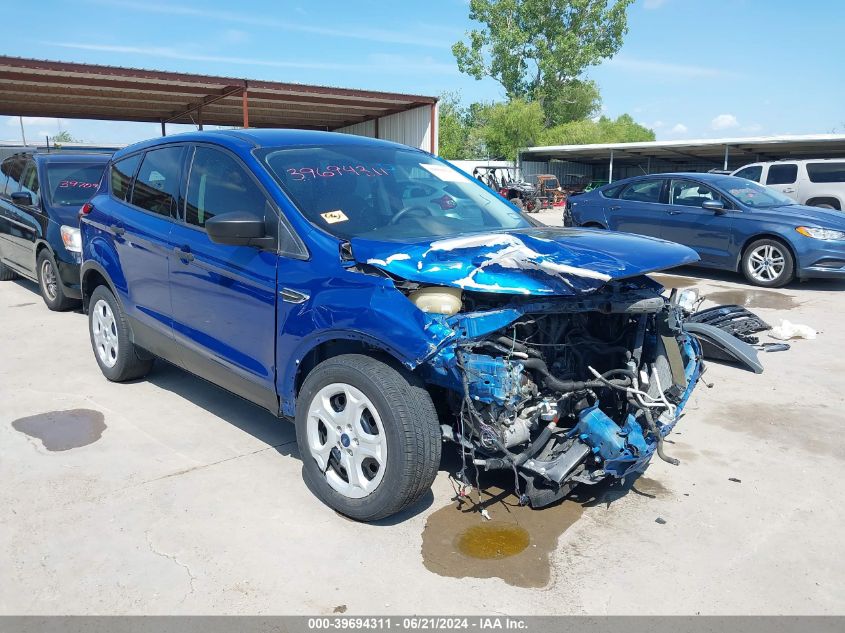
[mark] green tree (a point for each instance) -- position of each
(538, 49)
(452, 124)
(623, 129)
(63, 137)
(506, 127)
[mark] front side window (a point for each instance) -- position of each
(754, 172)
(782, 174)
(29, 181)
(690, 194)
(219, 184)
(121, 175)
(751, 194)
(157, 184)
(826, 172)
(72, 185)
(643, 191)
(385, 192)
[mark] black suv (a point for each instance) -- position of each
(40, 197)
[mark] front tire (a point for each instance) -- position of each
(768, 263)
(368, 435)
(50, 284)
(116, 354)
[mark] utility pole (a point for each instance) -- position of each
(23, 136)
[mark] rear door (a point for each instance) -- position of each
(639, 208)
(19, 226)
(784, 178)
(141, 226)
(224, 297)
(711, 234)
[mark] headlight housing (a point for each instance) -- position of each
(72, 238)
(821, 234)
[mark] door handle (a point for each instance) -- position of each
(183, 253)
(789, 190)
(615, 207)
(673, 212)
(116, 229)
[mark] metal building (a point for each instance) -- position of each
(31, 87)
(612, 161)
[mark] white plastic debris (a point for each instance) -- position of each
(788, 330)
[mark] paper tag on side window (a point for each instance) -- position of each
(442, 172)
(331, 217)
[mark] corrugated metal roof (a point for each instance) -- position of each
(764, 147)
(31, 87)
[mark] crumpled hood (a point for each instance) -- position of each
(530, 261)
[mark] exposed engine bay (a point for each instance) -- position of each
(569, 390)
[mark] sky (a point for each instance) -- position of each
(687, 68)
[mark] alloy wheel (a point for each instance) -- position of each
(49, 280)
(766, 263)
(104, 330)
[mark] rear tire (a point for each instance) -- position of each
(768, 263)
(368, 435)
(6, 273)
(50, 284)
(111, 339)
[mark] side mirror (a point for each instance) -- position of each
(22, 197)
(716, 206)
(238, 228)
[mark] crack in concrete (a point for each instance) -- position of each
(172, 557)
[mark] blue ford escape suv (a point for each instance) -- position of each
(386, 302)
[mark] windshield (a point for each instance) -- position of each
(73, 184)
(385, 193)
(753, 195)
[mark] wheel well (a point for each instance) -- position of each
(41, 246)
(824, 200)
(593, 225)
(335, 347)
(92, 279)
(766, 236)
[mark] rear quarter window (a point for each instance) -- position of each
(826, 172)
(782, 174)
(612, 191)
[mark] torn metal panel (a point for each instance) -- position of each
(531, 261)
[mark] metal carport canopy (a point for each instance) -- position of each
(753, 148)
(31, 87)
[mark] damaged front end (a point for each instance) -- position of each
(570, 391)
(575, 381)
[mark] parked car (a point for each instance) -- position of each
(40, 197)
(817, 183)
(285, 267)
(731, 222)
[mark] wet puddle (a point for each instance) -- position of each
(63, 430)
(675, 281)
(753, 298)
(514, 545)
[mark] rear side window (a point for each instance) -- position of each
(121, 175)
(157, 184)
(643, 191)
(826, 172)
(218, 184)
(612, 192)
(13, 169)
(755, 172)
(782, 174)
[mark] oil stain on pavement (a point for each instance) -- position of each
(514, 545)
(63, 430)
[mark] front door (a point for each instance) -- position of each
(224, 297)
(711, 234)
(638, 208)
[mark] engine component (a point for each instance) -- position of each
(437, 300)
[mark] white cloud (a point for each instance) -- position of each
(354, 31)
(724, 122)
(657, 125)
(679, 128)
(653, 4)
(665, 69)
